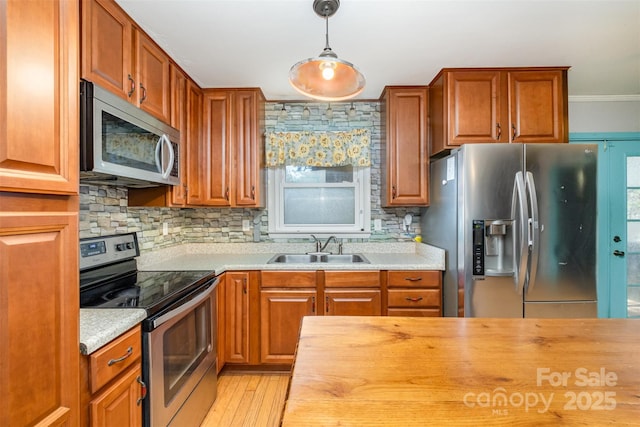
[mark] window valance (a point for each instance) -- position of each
(322, 149)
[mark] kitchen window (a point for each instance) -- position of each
(324, 201)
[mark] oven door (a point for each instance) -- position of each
(179, 349)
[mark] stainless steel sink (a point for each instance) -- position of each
(344, 259)
(318, 258)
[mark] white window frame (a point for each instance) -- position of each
(362, 200)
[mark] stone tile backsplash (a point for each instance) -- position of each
(104, 210)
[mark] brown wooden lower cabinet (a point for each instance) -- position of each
(263, 310)
(112, 392)
(118, 404)
(414, 293)
(281, 313)
(237, 317)
(352, 302)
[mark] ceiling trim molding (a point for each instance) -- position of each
(604, 98)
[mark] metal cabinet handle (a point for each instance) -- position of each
(618, 253)
(498, 131)
(393, 191)
(132, 86)
(144, 93)
(244, 285)
(120, 359)
(226, 193)
(415, 299)
(313, 304)
(143, 390)
(514, 132)
(413, 279)
(326, 303)
(253, 192)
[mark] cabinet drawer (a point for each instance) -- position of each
(414, 312)
(288, 279)
(414, 279)
(352, 279)
(416, 298)
(112, 359)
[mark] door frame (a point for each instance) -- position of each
(603, 267)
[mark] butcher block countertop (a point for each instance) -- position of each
(400, 371)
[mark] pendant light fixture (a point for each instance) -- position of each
(326, 77)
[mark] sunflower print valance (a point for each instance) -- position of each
(321, 149)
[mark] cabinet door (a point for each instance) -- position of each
(217, 137)
(538, 106)
(407, 159)
(196, 151)
(107, 44)
(39, 298)
(281, 313)
(352, 302)
(247, 145)
(237, 317)
(39, 96)
(179, 121)
(475, 107)
(152, 71)
(119, 404)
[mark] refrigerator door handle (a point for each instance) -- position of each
(534, 231)
(520, 249)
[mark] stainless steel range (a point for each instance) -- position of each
(178, 335)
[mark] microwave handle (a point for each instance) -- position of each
(172, 156)
(159, 153)
(164, 139)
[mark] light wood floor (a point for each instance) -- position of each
(254, 399)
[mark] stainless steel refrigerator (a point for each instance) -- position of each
(518, 225)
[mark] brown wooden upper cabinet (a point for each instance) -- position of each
(233, 149)
(497, 105)
(405, 150)
(123, 59)
(39, 97)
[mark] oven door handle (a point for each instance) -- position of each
(208, 288)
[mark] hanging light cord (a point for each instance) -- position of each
(326, 33)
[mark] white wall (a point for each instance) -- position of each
(619, 113)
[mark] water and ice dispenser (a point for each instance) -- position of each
(493, 247)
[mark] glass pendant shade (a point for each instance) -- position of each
(326, 77)
(307, 78)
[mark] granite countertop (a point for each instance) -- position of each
(255, 256)
(99, 326)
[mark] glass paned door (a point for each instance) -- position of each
(633, 235)
(624, 238)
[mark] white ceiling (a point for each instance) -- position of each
(242, 43)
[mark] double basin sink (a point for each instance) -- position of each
(322, 258)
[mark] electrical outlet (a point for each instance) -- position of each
(377, 224)
(246, 225)
(165, 228)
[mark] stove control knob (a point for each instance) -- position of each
(120, 247)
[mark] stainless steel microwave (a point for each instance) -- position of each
(120, 144)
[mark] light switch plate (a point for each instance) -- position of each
(377, 224)
(246, 225)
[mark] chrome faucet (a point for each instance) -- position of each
(323, 247)
(318, 243)
(320, 247)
